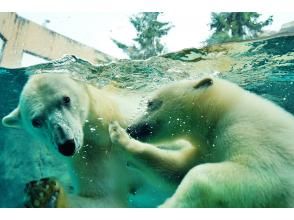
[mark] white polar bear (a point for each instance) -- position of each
(72, 119)
(243, 145)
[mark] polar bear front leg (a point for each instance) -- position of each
(166, 159)
(44, 193)
(119, 136)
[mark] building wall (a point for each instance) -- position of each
(21, 35)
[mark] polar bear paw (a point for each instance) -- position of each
(43, 193)
(118, 135)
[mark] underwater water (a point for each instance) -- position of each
(265, 67)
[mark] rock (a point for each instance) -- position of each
(264, 66)
(288, 27)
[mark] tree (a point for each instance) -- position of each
(149, 33)
(230, 26)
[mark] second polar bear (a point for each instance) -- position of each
(243, 145)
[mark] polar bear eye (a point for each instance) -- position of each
(153, 105)
(66, 100)
(36, 122)
(150, 104)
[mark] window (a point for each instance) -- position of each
(29, 59)
(2, 44)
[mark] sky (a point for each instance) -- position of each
(96, 29)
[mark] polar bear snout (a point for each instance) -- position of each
(140, 131)
(68, 148)
(67, 139)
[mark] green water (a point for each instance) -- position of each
(265, 67)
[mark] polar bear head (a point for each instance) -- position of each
(52, 108)
(175, 111)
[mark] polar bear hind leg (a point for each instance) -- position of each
(225, 184)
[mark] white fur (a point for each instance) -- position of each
(103, 177)
(243, 145)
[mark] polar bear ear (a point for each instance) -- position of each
(12, 119)
(206, 82)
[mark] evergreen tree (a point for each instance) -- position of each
(231, 26)
(149, 32)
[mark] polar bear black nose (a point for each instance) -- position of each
(68, 148)
(140, 131)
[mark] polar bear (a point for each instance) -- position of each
(243, 145)
(72, 119)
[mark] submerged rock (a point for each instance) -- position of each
(264, 66)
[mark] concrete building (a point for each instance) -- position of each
(21, 39)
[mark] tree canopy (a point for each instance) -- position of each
(147, 42)
(231, 26)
